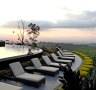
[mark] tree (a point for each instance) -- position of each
(21, 34)
(71, 80)
(33, 33)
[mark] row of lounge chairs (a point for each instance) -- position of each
(44, 69)
(72, 57)
(55, 58)
(50, 63)
(51, 69)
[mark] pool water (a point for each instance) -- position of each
(15, 50)
(12, 50)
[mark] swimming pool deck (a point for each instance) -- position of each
(51, 82)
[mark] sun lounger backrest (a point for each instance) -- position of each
(36, 62)
(16, 68)
(46, 59)
(59, 53)
(54, 56)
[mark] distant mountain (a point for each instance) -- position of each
(68, 46)
(92, 44)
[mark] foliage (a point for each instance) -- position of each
(26, 63)
(48, 50)
(88, 49)
(87, 65)
(33, 33)
(83, 73)
(94, 60)
(60, 88)
(4, 72)
(71, 80)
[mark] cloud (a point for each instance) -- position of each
(15, 24)
(86, 19)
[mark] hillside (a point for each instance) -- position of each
(89, 49)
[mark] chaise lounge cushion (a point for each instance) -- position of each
(47, 68)
(46, 59)
(61, 54)
(16, 68)
(57, 64)
(31, 77)
(36, 62)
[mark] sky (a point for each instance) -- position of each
(59, 20)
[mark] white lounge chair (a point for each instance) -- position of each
(50, 63)
(21, 75)
(60, 60)
(52, 71)
(65, 53)
(5, 86)
(65, 57)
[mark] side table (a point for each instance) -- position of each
(30, 69)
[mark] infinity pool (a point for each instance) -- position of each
(15, 50)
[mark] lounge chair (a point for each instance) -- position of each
(60, 60)
(62, 55)
(65, 53)
(65, 57)
(22, 76)
(53, 64)
(5, 86)
(52, 71)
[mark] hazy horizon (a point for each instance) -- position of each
(65, 35)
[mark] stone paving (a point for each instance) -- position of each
(78, 62)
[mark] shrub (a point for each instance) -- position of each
(60, 88)
(83, 74)
(87, 65)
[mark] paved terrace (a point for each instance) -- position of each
(51, 82)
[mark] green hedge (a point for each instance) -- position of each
(87, 65)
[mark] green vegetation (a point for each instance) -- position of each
(88, 62)
(33, 33)
(89, 49)
(60, 89)
(87, 65)
(48, 50)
